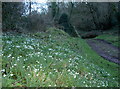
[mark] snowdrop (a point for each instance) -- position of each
(56, 53)
(70, 59)
(50, 49)
(37, 75)
(40, 65)
(15, 64)
(68, 70)
(31, 47)
(49, 85)
(35, 70)
(50, 72)
(83, 81)
(38, 53)
(4, 75)
(3, 70)
(13, 57)
(76, 73)
(45, 59)
(9, 55)
(37, 61)
(25, 46)
(74, 76)
(81, 57)
(11, 74)
(50, 56)
(41, 54)
(17, 46)
(18, 59)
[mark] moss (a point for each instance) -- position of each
(54, 31)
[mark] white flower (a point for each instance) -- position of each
(35, 70)
(25, 46)
(20, 56)
(41, 54)
(83, 81)
(81, 56)
(50, 72)
(9, 55)
(40, 66)
(4, 75)
(76, 73)
(37, 61)
(70, 59)
(11, 74)
(56, 53)
(17, 46)
(108, 74)
(28, 74)
(49, 85)
(74, 76)
(49, 49)
(31, 47)
(38, 52)
(37, 75)
(15, 64)
(18, 59)
(50, 56)
(68, 70)
(3, 70)
(13, 57)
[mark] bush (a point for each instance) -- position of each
(34, 22)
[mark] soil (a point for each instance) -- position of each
(105, 49)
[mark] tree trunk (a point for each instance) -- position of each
(95, 20)
(30, 7)
(72, 6)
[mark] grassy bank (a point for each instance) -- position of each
(53, 58)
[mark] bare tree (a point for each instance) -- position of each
(93, 11)
(30, 3)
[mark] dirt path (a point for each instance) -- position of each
(105, 49)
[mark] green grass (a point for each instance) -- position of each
(111, 35)
(114, 39)
(53, 59)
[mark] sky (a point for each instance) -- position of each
(42, 3)
(39, 3)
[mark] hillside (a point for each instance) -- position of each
(53, 58)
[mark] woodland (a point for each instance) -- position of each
(60, 44)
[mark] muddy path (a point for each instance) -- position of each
(105, 50)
